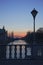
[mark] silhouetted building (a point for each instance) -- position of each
(40, 30)
(3, 35)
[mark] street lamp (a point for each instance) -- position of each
(34, 13)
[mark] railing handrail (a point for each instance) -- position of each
(21, 44)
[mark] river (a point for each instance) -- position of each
(16, 42)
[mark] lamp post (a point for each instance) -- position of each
(34, 13)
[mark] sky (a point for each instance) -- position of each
(16, 16)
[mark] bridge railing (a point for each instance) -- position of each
(24, 51)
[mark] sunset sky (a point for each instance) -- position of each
(16, 16)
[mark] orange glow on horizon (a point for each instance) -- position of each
(19, 34)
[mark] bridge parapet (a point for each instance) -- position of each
(21, 51)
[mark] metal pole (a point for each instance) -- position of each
(34, 30)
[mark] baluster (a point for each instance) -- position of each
(29, 51)
(7, 52)
(12, 52)
(15, 52)
(18, 52)
(23, 52)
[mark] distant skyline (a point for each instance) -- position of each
(16, 16)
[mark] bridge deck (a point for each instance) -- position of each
(21, 62)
